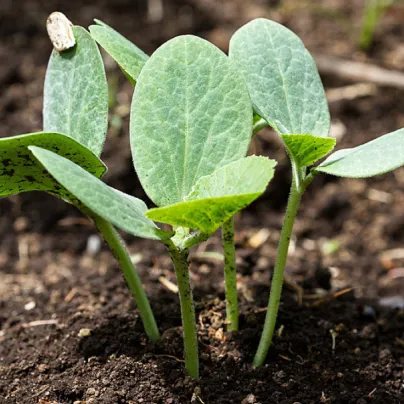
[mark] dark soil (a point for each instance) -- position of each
(53, 285)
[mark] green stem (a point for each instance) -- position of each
(180, 261)
(277, 279)
(230, 279)
(119, 251)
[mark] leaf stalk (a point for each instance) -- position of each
(230, 275)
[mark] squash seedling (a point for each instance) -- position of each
(190, 127)
(75, 118)
(131, 61)
(286, 91)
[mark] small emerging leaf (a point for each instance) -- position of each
(21, 172)
(378, 156)
(76, 93)
(129, 57)
(191, 114)
(218, 196)
(122, 210)
(282, 78)
(305, 150)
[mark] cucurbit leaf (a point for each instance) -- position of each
(282, 78)
(218, 196)
(379, 156)
(21, 172)
(120, 209)
(191, 114)
(76, 93)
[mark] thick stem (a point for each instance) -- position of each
(180, 261)
(230, 279)
(277, 278)
(117, 246)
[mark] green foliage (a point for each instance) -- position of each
(305, 150)
(282, 78)
(76, 93)
(20, 172)
(129, 57)
(191, 114)
(218, 196)
(376, 157)
(120, 209)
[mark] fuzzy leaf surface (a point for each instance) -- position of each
(305, 150)
(218, 196)
(21, 172)
(129, 57)
(76, 93)
(282, 78)
(191, 114)
(379, 156)
(121, 209)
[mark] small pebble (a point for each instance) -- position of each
(84, 332)
(30, 306)
(93, 245)
(250, 399)
(91, 391)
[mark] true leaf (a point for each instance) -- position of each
(378, 156)
(305, 150)
(120, 209)
(282, 78)
(76, 93)
(129, 57)
(21, 172)
(218, 196)
(191, 114)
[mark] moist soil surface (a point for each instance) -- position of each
(69, 330)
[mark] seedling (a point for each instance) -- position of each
(75, 126)
(191, 124)
(286, 92)
(372, 13)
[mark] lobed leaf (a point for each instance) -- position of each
(191, 114)
(118, 208)
(305, 150)
(21, 172)
(218, 196)
(282, 78)
(129, 57)
(378, 156)
(76, 93)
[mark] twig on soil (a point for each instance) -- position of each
(351, 92)
(357, 71)
(370, 395)
(38, 323)
(168, 284)
(334, 338)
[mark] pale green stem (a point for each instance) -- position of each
(180, 261)
(277, 278)
(121, 254)
(230, 279)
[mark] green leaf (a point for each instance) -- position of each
(191, 114)
(120, 209)
(218, 196)
(378, 156)
(305, 150)
(76, 93)
(21, 172)
(282, 78)
(129, 57)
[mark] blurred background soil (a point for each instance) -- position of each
(348, 250)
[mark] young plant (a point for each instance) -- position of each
(372, 13)
(286, 91)
(75, 125)
(131, 60)
(190, 126)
